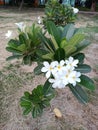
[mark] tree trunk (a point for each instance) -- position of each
(21, 4)
(93, 6)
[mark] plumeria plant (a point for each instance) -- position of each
(59, 57)
(27, 43)
(60, 14)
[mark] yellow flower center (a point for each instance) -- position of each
(73, 77)
(59, 67)
(51, 68)
(66, 76)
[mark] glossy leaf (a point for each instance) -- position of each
(37, 70)
(48, 56)
(37, 111)
(13, 50)
(46, 43)
(83, 68)
(22, 48)
(76, 39)
(68, 31)
(87, 82)
(79, 93)
(26, 103)
(13, 57)
(53, 30)
(69, 50)
(22, 38)
(59, 54)
(80, 57)
(27, 110)
(13, 43)
(27, 60)
(82, 45)
(48, 91)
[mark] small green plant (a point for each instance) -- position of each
(26, 45)
(38, 100)
(58, 13)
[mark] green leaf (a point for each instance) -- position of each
(27, 94)
(46, 102)
(76, 39)
(48, 56)
(27, 110)
(79, 93)
(69, 50)
(64, 43)
(13, 43)
(54, 31)
(68, 31)
(27, 60)
(13, 50)
(13, 57)
(54, 42)
(22, 38)
(48, 90)
(83, 68)
(37, 70)
(87, 82)
(22, 48)
(41, 52)
(80, 57)
(37, 111)
(37, 94)
(26, 103)
(59, 54)
(82, 45)
(46, 43)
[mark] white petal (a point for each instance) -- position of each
(74, 84)
(75, 62)
(51, 80)
(78, 80)
(70, 59)
(78, 74)
(61, 86)
(54, 63)
(46, 64)
(8, 34)
(48, 74)
(44, 69)
(54, 85)
(65, 82)
(62, 62)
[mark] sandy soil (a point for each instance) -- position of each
(75, 115)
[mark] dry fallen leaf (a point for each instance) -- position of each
(57, 113)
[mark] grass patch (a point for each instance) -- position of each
(11, 79)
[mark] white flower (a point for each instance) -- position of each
(74, 77)
(65, 77)
(21, 26)
(71, 63)
(8, 34)
(75, 10)
(59, 67)
(60, 79)
(57, 82)
(48, 68)
(39, 20)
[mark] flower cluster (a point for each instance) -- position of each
(62, 73)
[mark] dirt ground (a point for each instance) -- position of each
(76, 116)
